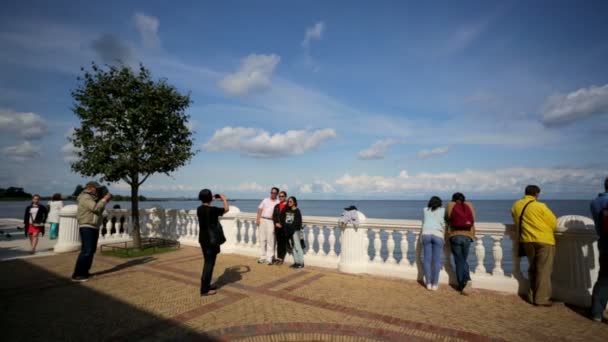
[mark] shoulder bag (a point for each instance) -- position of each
(521, 251)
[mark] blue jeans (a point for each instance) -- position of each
(88, 246)
(460, 249)
(599, 297)
(432, 247)
(298, 253)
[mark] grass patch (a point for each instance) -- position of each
(134, 253)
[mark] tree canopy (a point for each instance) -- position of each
(131, 126)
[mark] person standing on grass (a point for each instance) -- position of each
(55, 206)
(461, 217)
(33, 221)
(208, 215)
(291, 220)
(599, 212)
(266, 227)
(90, 209)
(537, 229)
(433, 231)
(279, 232)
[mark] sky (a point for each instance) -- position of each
(327, 99)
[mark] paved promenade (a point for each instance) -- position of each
(156, 298)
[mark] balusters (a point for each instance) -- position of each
(365, 244)
(480, 253)
(377, 246)
(257, 235)
(390, 246)
(332, 242)
(497, 253)
(321, 239)
(310, 237)
(250, 231)
(404, 249)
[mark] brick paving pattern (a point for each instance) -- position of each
(156, 298)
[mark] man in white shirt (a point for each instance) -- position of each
(266, 226)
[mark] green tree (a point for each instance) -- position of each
(131, 127)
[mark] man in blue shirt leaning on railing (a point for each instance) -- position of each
(599, 211)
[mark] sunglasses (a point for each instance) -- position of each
(282, 196)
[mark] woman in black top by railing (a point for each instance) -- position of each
(208, 215)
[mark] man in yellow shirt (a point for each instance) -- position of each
(537, 230)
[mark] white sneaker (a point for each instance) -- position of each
(429, 287)
(434, 287)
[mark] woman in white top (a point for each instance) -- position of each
(433, 230)
(55, 206)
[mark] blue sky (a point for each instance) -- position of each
(385, 99)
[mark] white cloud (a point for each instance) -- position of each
(317, 187)
(148, 29)
(250, 187)
(438, 151)
(24, 125)
(306, 188)
(511, 180)
(314, 32)
(22, 152)
(258, 143)
(70, 153)
(377, 150)
(580, 104)
(254, 75)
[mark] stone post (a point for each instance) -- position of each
(353, 253)
(229, 223)
(576, 267)
(69, 235)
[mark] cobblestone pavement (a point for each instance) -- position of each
(156, 298)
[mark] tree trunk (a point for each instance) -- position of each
(135, 211)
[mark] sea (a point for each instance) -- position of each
(486, 211)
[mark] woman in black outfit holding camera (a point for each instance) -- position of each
(207, 216)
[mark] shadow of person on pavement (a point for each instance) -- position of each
(231, 275)
(124, 265)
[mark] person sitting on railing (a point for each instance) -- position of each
(536, 224)
(461, 217)
(291, 220)
(599, 212)
(279, 232)
(433, 231)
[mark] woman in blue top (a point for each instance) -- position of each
(433, 228)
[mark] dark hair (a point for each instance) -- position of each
(275, 188)
(35, 195)
(295, 201)
(458, 196)
(116, 206)
(606, 184)
(56, 197)
(434, 203)
(205, 196)
(283, 192)
(532, 190)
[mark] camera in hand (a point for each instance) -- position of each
(101, 192)
(217, 196)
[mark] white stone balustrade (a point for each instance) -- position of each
(377, 246)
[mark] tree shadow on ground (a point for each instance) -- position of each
(124, 265)
(42, 305)
(232, 274)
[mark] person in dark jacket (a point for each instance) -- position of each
(33, 221)
(208, 215)
(291, 220)
(279, 232)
